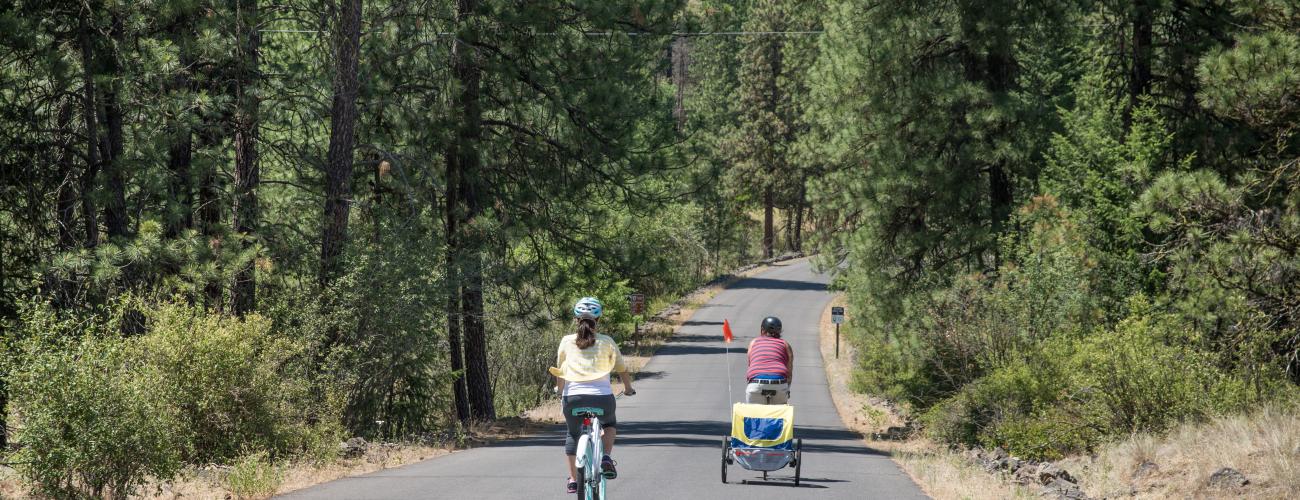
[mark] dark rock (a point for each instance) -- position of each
(1062, 489)
(1047, 473)
(1228, 477)
(1026, 474)
(999, 453)
(1144, 469)
(893, 434)
(354, 447)
(1013, 464)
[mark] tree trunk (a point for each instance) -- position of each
(460, 396)
(91, 118)
(66, 202)
(1000, 78)
(115, 217)
(470, 244)
(210, 225)
(768, 235)
(180, 187)
(798, 215)
(244, 290)
(339, 163)
(1139, 82)
(477, 373)
(678, 69)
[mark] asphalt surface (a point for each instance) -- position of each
(670, 433)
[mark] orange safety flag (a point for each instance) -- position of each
(726, 331)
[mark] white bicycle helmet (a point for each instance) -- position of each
(588, 308)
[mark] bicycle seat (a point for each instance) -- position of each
(580, 411)
(769, 392)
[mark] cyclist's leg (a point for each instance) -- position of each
(608, 421)
(574, 428)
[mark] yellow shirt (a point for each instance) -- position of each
(582, 365)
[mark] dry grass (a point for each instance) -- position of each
(211, 483)
(941, 473)
(1264, 445)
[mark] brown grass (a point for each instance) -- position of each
(208, 483)
(939, 472)
(1263, 444)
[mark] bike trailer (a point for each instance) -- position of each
(762, 439)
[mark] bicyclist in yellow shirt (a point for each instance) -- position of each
(585, 360)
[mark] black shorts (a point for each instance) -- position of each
(604, 402)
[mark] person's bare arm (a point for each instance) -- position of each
(789, 362)
(627, 383)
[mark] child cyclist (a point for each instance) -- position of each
(585, 359)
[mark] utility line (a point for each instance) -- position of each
(616, 33)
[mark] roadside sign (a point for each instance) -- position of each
(837, 315)
(636, 302)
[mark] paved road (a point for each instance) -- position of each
(670, 433)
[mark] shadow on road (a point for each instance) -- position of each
(675, 349)
(775, 284)
(708, 434)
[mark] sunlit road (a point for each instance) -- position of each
(670, 433)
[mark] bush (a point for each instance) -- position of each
(235, 385)
(94, 424)
(253, 476)
(1071, 394)
(1143, 377)
(102, 413)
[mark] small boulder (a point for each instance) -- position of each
(1145, 469)
(1013, 464)
(999, 453)
(1047, 473)
(353, 448)
(1026, 474)
(1064, 490)
(1228, 477)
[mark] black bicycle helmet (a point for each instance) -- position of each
(772, 325)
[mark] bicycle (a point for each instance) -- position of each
(590, 453)
(591, 482)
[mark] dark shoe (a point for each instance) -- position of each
(573, 486)
(607, 468)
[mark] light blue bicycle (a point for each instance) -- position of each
(591, 482)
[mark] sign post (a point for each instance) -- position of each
(837, 317)
(636, 303)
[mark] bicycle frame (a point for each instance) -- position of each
(591, 451)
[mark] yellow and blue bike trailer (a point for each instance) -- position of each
(762, 439)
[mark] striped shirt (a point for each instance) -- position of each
(768, 356)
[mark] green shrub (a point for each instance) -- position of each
(234, 384)
(253, 476)
(1143, 377)
(94, 424)
(1071, 394)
